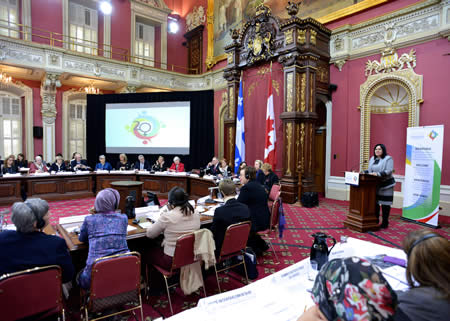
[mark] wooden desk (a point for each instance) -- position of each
(10, 190)
(103, 181)
(59, 187)
(139, 233)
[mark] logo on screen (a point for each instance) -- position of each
(145, 127)
(433, 135)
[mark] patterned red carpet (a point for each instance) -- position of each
(301, 223)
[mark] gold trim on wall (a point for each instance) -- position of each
(212, 60)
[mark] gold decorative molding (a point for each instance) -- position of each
(311, 125)
(290, 94)
(229, 58)
(288, 148)
(251, 88)
(301, 37)
(230, 143)
(222, 115)
(363, 5)
(276, 86)
(313, 37)
(303, 93)
(288, 39)
(302, 144)
(311, 91)
(231, 106)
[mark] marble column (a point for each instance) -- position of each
(49, 86)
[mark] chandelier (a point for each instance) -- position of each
(91, 90)
(5, 80)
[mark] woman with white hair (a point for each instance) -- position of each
(28, 246)
(177, 165)
(103, 164)
(38, 166)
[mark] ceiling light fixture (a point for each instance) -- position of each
(106, 7)
(5, 80)
(91, 89)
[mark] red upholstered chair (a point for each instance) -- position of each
(184, 255)
(274, 192)
(234, 243)
(272, 232)
(115, 283)
(21, 294)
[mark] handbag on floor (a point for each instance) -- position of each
(310, 199)
(250, 264)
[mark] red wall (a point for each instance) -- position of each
(47, 15)
(120, 27)
(433, 65)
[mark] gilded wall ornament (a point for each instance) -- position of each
(313, 37)
(303, 93)
(261, 37)
(288, 39)
(289, 91)
(231, 106)
(195, 18)
(288, 148)
(390, 62)
(301, 37)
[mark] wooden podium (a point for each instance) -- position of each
(361, 213)
(127, 188)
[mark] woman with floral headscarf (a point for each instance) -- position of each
(106, 232)
(351, 289)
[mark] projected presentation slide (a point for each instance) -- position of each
(148, 128)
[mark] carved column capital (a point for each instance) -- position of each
(339, 64)
(49, 85)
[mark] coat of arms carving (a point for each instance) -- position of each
(260, 37)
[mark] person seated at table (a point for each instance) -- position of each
(9, 167)
(181, 218)
(225, 170)
(242, 165)
(142, 164)
(177, 166)
(259, 172)
(78, 164)
(38, 166)
(428, 276)
(58, 165)
(105, 230)
(123, 164)
(21, 162)
(159, 165)
(255, 197)
(270, 178)
(230, 213)
(28, 246)
(351, 289)
(213, 167)
(103, 164)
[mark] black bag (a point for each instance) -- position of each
(250, 264)
(152, 199)
(310, 199)
(129, 207)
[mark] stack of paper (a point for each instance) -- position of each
(145, 225)
(72, 219)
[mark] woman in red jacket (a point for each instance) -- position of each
(177, 166)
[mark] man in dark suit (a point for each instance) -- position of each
(29, 247)
(142, 164)
(213, 167)
(255, 197)
(78, 164)
(230, 213)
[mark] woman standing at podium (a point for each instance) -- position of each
(381, 164)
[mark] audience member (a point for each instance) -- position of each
(58, 165)
(213, 167)
(105, 230)
(180, 219)
(159, 165)
(123, 163)
(78, 164)
(381, 164)
(255, 197)
(9, 167)
(103, 164)
(177, 166)
(38, 166)
(225, 170)
(428, 276)
(270, 177)
(142, 164)
(21, 162)
(230, 213)
(351, 289)
(259, 172)
(28, 246)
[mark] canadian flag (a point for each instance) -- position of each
(269, 150)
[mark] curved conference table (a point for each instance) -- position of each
(69, 185)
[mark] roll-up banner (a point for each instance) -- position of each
(424, 146)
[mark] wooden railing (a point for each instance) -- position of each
(93, 48)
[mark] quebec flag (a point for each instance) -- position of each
(239, 151)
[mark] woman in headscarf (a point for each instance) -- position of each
(351, 289)
(105, 230)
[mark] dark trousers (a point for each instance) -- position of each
(385, 209)
(156, 255)
(257, 244)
